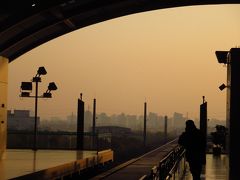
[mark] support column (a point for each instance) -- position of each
(234, 120)
(165, 128)
(203, 122)
(94, 117)
(94, 135)
(80, 124)
(145, 125)
(3, 104)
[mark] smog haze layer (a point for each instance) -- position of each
(165, 57)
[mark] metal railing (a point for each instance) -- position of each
(179, 167)
(57, 140)
(169, 165)
(172, 166)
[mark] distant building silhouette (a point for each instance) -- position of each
(88, 121)
(20, 120)
(178, 120)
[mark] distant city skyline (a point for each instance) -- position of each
(164, 57)
(21, 120)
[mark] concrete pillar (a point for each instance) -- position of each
(80, 124)
(234, 114)
(203, 119)
(94, 117)
(165, 128)
(145, 125)
(203, 122)
(3, 104)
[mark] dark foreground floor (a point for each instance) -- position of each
(215, 169)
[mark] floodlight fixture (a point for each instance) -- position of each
(26, 86)
(222, 87)
(52, 86)
(222, 56)
(41, 71)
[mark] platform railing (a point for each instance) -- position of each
(58, 140)
(171, 167)
(179, 167)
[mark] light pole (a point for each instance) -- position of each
(26, 88)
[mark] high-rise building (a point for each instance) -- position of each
(21, 120)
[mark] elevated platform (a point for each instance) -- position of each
(49, 164)
(137, 168)
(144, 167)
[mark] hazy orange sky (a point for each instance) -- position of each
(165, 57)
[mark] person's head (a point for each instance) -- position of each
(190, 126)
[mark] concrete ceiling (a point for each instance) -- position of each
(27, 24)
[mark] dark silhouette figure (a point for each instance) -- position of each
(194, 143)
(219, 137)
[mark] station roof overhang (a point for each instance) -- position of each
(27, 24)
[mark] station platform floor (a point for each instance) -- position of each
(42, 163)
(136, 168)
(216, 168)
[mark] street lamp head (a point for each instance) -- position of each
(26, 86)
(222, 87)
(52, 86)
(222, 56)
(41, 71)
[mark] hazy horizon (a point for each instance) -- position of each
(164, 57)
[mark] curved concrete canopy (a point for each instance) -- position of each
(26, 25)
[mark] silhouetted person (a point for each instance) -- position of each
(194, 143)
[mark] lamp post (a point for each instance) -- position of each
(26, 88)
